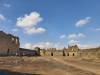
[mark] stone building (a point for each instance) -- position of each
(9, 44)
(73, 51)
(37, 49)
(27, 52)
(70, 51)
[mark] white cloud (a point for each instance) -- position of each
(76, 36)
(73, 42)
(15, 30)
(81, 35)
(72, 36)
(43, 45)
(63, 36)
(40, 44)
(2, 17)
(95, 29)
(58, 45)
(87, 46)
(83, 22)
(6, 5)
(29, 20)
(83, 46)
(34, 30)
(29, 23)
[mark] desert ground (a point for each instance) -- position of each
(48, 66)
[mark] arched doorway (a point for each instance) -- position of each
(73, 54)
(8, 51)
(51, 53)
(67, 54)
(64, 53)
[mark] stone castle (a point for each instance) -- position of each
(10, 45)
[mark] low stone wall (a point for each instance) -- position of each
(60, 53)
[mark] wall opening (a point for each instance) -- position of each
(73, 54)
(64, 53)
(67, 54)
(8, 51)
(51, 53)
(44, 52)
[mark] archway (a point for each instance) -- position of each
(64, 53)
(67, 54)
(51, 53)
(73, 54)
(8, 51)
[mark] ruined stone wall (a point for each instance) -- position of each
(9, 44)
(60, 53)
(73, 54)
(93, 53)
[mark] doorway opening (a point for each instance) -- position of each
(8, 51)
(67, 54)
(73, 54)
(51, 53)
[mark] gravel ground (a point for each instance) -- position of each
(38, 66)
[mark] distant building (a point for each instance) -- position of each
(73, 51)
(27, 52)
(70, 51)
(9, 44)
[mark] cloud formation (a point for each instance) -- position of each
(2, 17)
(29, 20)
(83, 22)
(40, 44)
(96, 29)
(73, 42)
(6, 5)
(29, 23)
(76, 36)
(15, 30)
(63, 36)
(43, 45)
(87, 46)
(74, 39)
(34, 30)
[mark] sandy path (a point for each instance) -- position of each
(60, 67)
(46, 66)
(94, 68)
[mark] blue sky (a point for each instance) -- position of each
(52, 23)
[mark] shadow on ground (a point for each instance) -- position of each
(7, 72)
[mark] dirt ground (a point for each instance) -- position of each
(47, 66)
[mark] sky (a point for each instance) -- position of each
(52, 23)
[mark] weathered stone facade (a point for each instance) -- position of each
(73, 51)
(28, 52)
(9, 44)
(70, 51)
